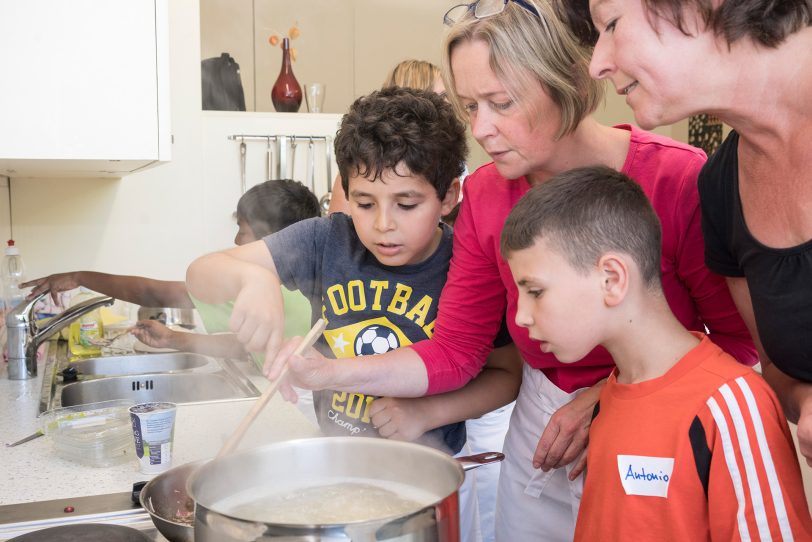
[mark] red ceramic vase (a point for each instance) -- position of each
(286, 93)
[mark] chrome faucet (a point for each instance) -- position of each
(24, 337)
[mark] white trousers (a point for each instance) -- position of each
(533, 505)
(469, 509)
(487, 434)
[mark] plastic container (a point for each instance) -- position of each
(97, 434)
(87, 331)
(153, 427)
(12, 274)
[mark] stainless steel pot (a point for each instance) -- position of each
(321, 461)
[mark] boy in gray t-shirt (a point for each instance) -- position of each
(376, 275)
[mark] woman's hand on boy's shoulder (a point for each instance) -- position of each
(566, 436)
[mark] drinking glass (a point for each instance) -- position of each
(314, 95)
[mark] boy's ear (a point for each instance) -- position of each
(614, 273)
(452, 197)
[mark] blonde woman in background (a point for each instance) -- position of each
(418, 74)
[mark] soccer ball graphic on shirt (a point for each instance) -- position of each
(375, 339)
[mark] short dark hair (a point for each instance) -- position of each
(767, 22)
(585, 213)
(274, 205)
(394, 125)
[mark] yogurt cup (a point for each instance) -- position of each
(153, 431)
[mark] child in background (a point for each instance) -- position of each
(263, 209)
(685, 443)
(374, 275)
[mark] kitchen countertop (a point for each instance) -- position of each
(34, 472)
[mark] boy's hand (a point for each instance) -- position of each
(154, 333)
(566, 436)
(59, 282)
(398, 418)
(258, 316)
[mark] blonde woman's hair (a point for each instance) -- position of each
(526, 50)
(418, 74)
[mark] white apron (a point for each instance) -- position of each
(533, 505)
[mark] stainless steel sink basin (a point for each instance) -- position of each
(179, 377)
(178, 388)
(140, 363)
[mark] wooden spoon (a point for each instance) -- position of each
(237, 436)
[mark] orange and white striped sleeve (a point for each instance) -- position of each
(754, 485)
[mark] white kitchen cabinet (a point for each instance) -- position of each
(84, 87)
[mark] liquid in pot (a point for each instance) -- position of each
(340, 502)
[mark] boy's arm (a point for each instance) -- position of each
(139, 290)
(156, 334)
(754, 486)
(497, 385)
(247, 275)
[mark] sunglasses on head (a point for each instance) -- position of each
(483, 9)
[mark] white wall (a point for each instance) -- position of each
(154, 222)
(147, 223)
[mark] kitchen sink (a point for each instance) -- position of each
(178, 377)
(177, 388)
(140, 363)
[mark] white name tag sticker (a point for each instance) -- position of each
(645, 475)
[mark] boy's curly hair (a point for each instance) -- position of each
(394, 125)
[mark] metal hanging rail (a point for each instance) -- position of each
(281, 157)
(247, 137)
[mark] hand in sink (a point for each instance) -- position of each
(155, 334)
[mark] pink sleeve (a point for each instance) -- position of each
(708, 290)
(471, 306)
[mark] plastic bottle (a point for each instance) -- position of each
(12, 273)
(86, 330)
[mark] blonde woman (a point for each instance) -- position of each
(419, 74)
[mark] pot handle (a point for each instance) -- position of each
(136, 492)
(469, 462)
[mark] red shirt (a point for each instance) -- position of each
(480, 285)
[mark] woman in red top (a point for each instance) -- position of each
(523, 83)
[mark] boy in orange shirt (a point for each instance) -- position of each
(685, 443)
